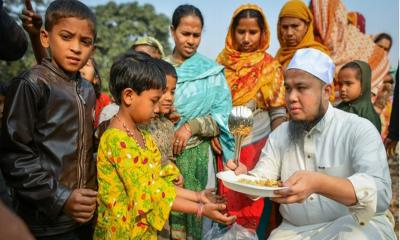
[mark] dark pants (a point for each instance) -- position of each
(84, 232)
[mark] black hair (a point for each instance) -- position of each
(68, 8)
(355, 67)
(381, 36)
(97, 86)
(137, 71)
(167, 68)
(184, 11)
(3, 88)
(249, 13)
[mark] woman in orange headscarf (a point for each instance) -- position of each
(295, 31)
(256, 81)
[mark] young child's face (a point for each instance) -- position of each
(167, 99)
(145, 106)
(350, 86)
(88, 72)
(71, 42)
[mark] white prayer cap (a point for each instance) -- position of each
(314, 62)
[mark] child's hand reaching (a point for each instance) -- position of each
(209, 196)
(179, 181)
(212, 210)
(81, 204)
(31, 22)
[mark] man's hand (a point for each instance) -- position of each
(81, 205)
(231, 165)
(300, 186)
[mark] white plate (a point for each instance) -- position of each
(231, 181)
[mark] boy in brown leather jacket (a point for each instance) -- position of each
(47, 136)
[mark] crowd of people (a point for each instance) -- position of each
(141, 163)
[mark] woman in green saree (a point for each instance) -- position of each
(203, 100)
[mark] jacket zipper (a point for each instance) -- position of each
(81, 137)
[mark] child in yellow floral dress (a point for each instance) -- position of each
(134, 200)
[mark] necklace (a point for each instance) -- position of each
(132, 133)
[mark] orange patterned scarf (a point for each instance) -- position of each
(249, 74)
(297, 9)
(346, 42)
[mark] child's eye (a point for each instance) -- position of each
(65, 36)
(87, 42)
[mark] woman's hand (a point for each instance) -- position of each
(182, 136)
(209, 196)
(212, 211)
(216, 145)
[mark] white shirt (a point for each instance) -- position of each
(342, 145)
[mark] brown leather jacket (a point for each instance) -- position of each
(46, 145)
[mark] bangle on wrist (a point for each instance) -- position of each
(199, 212)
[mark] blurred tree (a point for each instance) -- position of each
(118, 26)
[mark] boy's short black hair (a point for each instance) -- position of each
(167, 68)
(137, 71)
(68, 8)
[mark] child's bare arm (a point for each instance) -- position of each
(32, 24)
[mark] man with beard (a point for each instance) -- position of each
(333, 162)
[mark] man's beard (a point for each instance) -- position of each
(299, 129)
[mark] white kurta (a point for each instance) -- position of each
(341, 145)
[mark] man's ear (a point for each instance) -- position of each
(327, 89)
(44, 38)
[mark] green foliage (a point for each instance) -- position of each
(118, 26)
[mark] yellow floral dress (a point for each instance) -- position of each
(134, 200)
